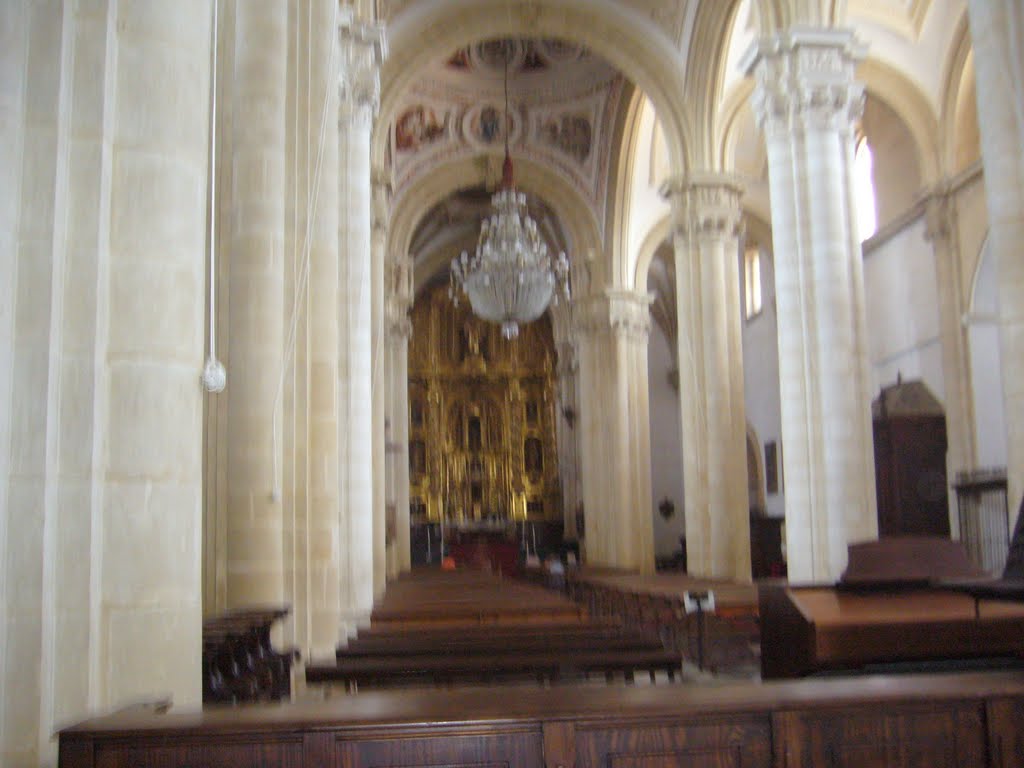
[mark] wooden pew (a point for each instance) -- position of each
(542, 666)
(239, 662)
(723, 640)
(455, 643)
(894, 721)
(447, 628)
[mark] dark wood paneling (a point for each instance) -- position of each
(899, 737)
(734, 743)
(1006, 732)
(521, 749)
(219, 752)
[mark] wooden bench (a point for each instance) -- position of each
(239, 662)
(454, 643)
(541, 666)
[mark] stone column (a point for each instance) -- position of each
(708, 225)
(148, 617)
(361, 54)
(256, 318)
(380, 194)
(615, 429)
(997, 33)
(398, 330)
(31, 47)
(807, 102)
(322, 548)
(941, 231)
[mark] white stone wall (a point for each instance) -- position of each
(900, 291)
(101, 493)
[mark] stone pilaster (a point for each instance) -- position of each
(322, 535)
(398, 329)
(362, 49)
(612, 332)
(807, 101)
(997, 33)
(256, 317)
(708, 226)
(380, 199)
(941, 232)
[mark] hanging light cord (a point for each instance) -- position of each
(506, 170)
(214, 376)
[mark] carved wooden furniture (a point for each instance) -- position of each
(894, 605)
(446, 628)
(909, 426)
(720, 640)
(239, 662)
(970, 721)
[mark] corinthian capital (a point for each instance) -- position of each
(805, 81)
(705, 205)
(362, 49)
(620, 313)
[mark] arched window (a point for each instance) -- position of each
(752, 282)
(864, 190)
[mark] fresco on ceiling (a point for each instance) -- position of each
(486, 125)
(571, 134)
(417, 126)
(523, 55)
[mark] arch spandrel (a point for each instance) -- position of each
(423, 32)
(911, 106)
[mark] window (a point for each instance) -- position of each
(864, 191)
(752, 282)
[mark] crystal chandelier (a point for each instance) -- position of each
(511, 278)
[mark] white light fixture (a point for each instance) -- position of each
(511, 278)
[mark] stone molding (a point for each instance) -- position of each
(362, 48)
(624, 314)
(804, 81)
(705, 206)
(380, 203)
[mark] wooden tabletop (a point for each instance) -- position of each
(529, 704)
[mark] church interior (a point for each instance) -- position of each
(759, 346)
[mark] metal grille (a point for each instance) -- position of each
(984, 526)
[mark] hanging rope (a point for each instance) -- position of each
(214, 376)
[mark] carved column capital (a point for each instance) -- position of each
(805, 81)
(362, 48)
(623, 314)
(705, 206)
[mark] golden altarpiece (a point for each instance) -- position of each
(482, 444)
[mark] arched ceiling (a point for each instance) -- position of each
(567, 103)
(562, 102)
